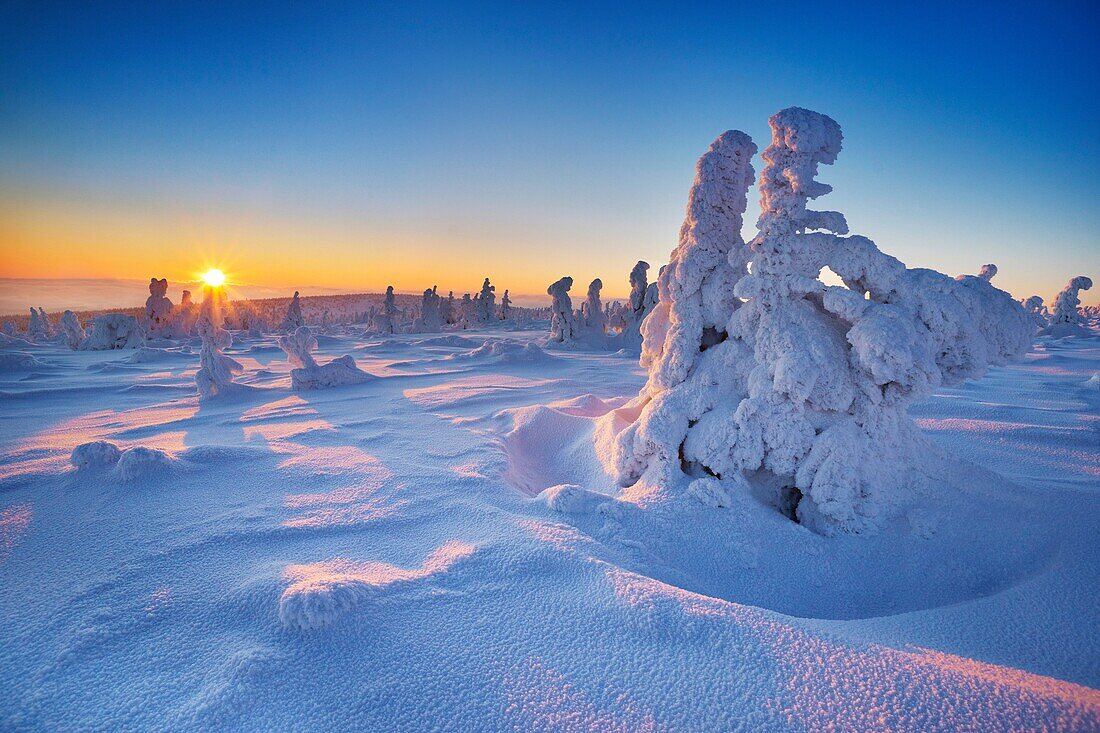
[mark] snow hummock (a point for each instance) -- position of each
(804, 386)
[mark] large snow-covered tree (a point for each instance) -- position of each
(563, 326)
(759, 371)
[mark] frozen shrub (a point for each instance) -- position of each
(385, 321)
(505, 306)
(158, 309)
(216, 370)
(759, 371)
(113, 331)
(293, 319)
(486, 302)
(309, 374)
(1065, 320)
(592, 313)
(563, 328)
(74, 332)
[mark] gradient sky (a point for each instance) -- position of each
(363, 144)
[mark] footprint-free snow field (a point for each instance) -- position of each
(438, 546)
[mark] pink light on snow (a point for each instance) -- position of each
(14, 521)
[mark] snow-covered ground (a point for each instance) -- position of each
(440, 548)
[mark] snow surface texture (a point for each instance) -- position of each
(360, 558)
(309, 374)
(1066, 320)
(113, 331)
(216, 370)
(799, 386)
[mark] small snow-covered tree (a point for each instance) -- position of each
(1036, 310)
(467, 310)
(216, 370)
(431, 313)
(38, 328)
(308, 374)
(639, 283)
(563, 327)
(113, 331)
(1065, 320)
(293, 319)
(158, 309)
(988, 272)
(450, 309)
(385, 321)
(74, 332)
(592, 313)
(486, 302)
(505, 306)
(797, 385)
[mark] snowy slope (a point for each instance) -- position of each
(378, 556)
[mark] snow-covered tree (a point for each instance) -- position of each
(293, 319)
(158, 309)
(639, 282)
(505, 306)
(563, 327)
(1065, 320)
(592, 313)
(113, 331)
(385, 321)
(38, 327)
(486, 302)
(216, 370)
(467, 310)
(74, 332)
(308, 374)
(759, 371)
(431, 313)
(450, 309)
(1036, 310)
(987, 272)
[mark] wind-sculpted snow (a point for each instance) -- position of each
(319, 593)
(772, 370)
(131, 464)
(309, 374)
(592, 312)
(506, 352)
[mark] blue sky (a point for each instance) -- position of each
(533, 141)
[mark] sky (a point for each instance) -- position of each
(347, 146)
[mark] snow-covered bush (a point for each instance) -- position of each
(760, 372)
(73, 331)
(592, 313)
(216, 370)
(293, 319)
(1065, 320)
(1036, 310)
(505, 306)
(309, 374)
(113, 331)
(158, 309)
(486, 302)
(38, 327)
(563, 327)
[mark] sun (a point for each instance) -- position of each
(214, 277)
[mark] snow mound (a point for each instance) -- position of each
(319, 593)
(507, 352)
(458, 342)
(572, 499)
(146, 355)
(131, 464)
(548, 446)
(336, 373)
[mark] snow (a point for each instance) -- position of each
(563, 326)
(1066, 320)
(113, 331)
(441, 548)
(309, 374)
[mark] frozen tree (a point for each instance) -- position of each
(1036, 310)
(505, 306)
(1065, 320)
(486, 302)
(466, 310)
(113, 331)
(158, 309)
(639, 283)
(308, 374)
(385, 321)
(38, 327)
(293, 319)
(987, 272)
(759, 371)
(216, 370)
(74, 332)
(563, 327)
(431, 313)
(184, 317)
(592, 313)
